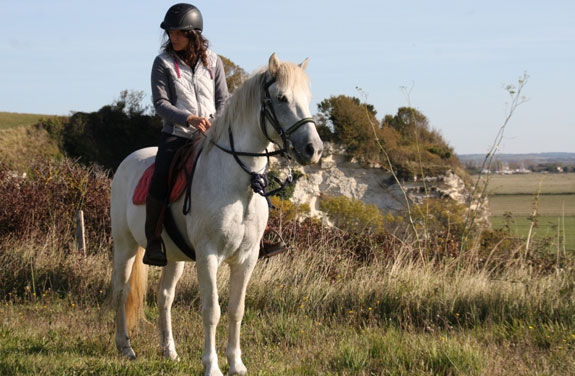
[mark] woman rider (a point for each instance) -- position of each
(188, 88)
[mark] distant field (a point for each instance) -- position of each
(529, 183)
(522, 205)
(547, 227)
(12, 119)
(516, 194)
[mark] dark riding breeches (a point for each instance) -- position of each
(167, 149)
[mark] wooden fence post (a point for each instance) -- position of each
(80, 238)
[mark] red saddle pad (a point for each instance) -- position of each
(141, 191)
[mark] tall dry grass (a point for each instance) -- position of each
(329, 274)
(325, 283)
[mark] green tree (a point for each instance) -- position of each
(108, 135)
(347, 121)
(413, 147)
(235, 75)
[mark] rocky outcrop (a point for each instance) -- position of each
(337, 176)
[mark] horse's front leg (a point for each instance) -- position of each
(207, 272)
(171, 274)
(239, 278)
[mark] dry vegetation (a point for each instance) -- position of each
(19, 145)
(13, 119)
(314, 311)
(340, 302)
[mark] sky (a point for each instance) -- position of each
(449, 59)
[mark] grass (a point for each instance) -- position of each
(547, 227)
(20, 145)
(274, 344)
(13, 119)
(522, 205)
(529, 183)
(516, 194)
(55, 336)
(308, 313)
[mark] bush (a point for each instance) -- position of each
(287, 192)
(306, 233)
(286, 210)
(47, 200)
(107, 136)
(354, 215)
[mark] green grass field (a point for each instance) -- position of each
(516, 194)
(551, 227)
(529, 183)
(77, 340)
(522, 205)
(12, 119)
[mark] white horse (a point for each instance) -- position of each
(227, 219)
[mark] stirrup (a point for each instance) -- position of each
(270, 248)
(154, 257)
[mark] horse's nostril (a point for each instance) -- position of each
(310, 150)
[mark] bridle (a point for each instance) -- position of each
(259, 182)
(267, 112)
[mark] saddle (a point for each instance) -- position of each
(181, 169)
(179, 179)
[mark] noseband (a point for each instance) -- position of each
(267, 112)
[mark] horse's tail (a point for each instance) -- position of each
(138, 287)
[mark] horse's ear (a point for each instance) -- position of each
(274, 65)
(303, 65)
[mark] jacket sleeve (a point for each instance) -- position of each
(161, 95)
(221, 93)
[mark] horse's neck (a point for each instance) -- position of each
(247, 137)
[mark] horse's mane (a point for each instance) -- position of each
(240, 106)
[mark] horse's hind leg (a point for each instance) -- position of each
(207, 272)
(240, 275)
(125, 249)
(171, 273)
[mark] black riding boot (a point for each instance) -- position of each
(155, 211)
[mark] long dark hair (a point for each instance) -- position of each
(196, 50)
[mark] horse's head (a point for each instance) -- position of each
(285, 109)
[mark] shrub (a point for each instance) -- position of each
(354, 215)
(306, 233)
(48, 198)
(107, 136)
(286, 210)
(287, 192)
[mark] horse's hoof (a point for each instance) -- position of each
(172, 355)
(237, 368)
(238, 371)
(128, 352)
(213, 371)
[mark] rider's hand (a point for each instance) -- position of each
(200, 123)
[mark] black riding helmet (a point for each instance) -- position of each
(183, 17)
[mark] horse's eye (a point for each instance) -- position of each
(282, 98)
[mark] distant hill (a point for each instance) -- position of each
(533, 158)
(13, 119)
